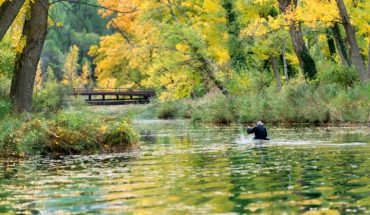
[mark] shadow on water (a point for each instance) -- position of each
(200, 170)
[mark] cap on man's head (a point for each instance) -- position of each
(259, 123)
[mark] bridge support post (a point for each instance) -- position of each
(117, 96)
(89, 97)
(103, 97)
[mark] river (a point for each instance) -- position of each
(182, 169)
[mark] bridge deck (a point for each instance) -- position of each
(115, 96)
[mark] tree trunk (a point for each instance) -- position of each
(275, 67)
(341, 45)
(8, 11)
(306, 62)
(34, 30)
(351, 37)
(208, 69)
(285, 65)
(331, 44)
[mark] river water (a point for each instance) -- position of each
(182, 169)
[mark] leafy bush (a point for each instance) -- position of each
(7, 56)
(173, 109)
(4, 86)
(336, 74)
(5, 108)
(50, 99)
(215, 109)
(167, 110)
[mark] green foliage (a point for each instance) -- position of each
(173, 109)
(64, 133)
(298, 103)
(50, 99)
(77, 24)
(4, 86)
(7, 57)
(167, 110)
(334, 74)
(5, 108)
(118, 134)
(215, 109)
(309, 69)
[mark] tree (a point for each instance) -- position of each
(34, 32)
(306, 62)
(181, 42)
(86, 75)
(236, 52)
(71, 77)
(341, 45)
(351, 37)
(275, 68)
(39, 79)
(9, 9)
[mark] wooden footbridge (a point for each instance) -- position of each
(114, 96)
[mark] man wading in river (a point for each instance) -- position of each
(259, 131)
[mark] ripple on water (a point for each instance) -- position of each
(185, 170)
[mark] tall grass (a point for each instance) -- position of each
(51, 129)
(64, 133)
(298, 103)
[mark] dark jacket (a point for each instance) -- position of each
(259, 131)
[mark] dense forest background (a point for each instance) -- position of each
(187, 48)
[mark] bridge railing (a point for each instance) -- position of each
(80, 91)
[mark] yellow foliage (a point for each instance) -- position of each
(314, 13)
(106, 82)
(178, 86)
(39, 78)
(70, 76)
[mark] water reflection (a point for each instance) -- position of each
(186, 170)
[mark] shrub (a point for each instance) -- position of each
(4, 86)
(217, 110)
(336, 74)
(173, 109)
(167, 110)
(51, 99)
(119, 134)
(5, 108)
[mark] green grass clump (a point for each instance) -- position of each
(173, 109)
(167, 110)
(65, 133)
(5, 108)
(51, 99)
(297, 103)
(215, 109)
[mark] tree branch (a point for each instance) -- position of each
(97, 6)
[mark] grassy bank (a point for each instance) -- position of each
(64, 133)
(300, 103)
(55, 129)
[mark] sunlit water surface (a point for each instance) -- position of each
(182, 169)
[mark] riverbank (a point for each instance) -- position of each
(297, 104)
(67, 132)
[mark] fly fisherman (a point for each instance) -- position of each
(260, 132)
